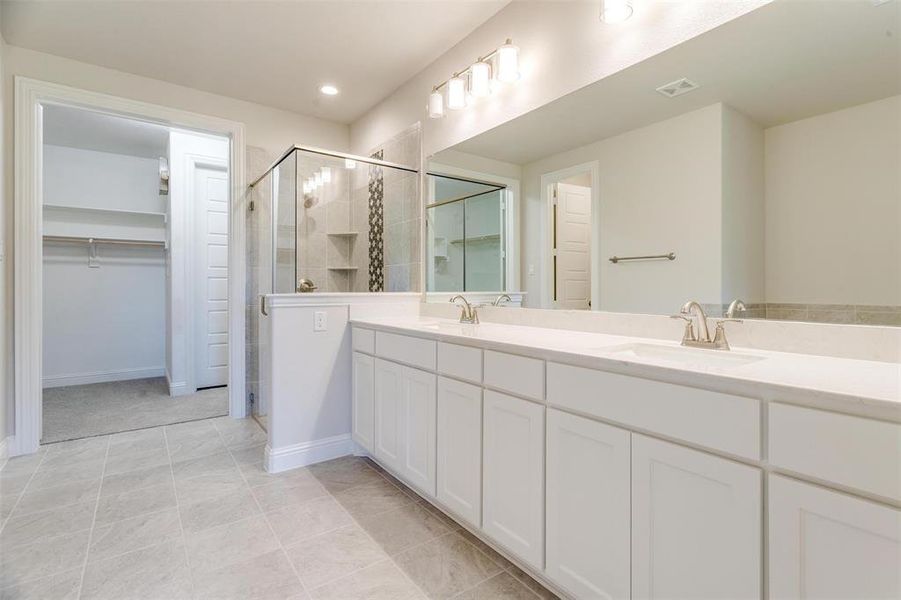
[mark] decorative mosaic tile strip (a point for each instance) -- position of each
(376, 226)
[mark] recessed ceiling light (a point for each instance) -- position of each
(678, 87)
(329, 90)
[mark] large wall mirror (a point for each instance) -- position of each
(759, 161)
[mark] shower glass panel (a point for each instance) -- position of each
(465, 235)
(259, 281)
(284, 213)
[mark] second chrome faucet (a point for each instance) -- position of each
(699, 337)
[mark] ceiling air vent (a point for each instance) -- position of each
(677, 88)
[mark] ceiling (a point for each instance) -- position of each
(782, 62)
(277, 53)
(88, 130)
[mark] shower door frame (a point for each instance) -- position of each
(30, 96)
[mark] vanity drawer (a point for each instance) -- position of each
(712, 419)
(515, 374)
(856, 452)
(402, 348)
(461, 362)
(363, 340)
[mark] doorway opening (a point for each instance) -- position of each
(135, 226)
(572, 200)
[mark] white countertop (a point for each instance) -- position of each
(859, 387)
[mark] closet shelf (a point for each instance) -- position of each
(116, 211)
(100, 223)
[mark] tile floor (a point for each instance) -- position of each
(186, 511)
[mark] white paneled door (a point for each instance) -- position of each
(572, 245)
(211, 277)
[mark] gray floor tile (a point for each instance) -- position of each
(136, 502)
(57, 496)
(218, 511)
(209, 485)
(134, 480)
(538, 589)
(62, 586)
(397, 530)
(446, 566)
(296, 523)
(251, 455)
(381, 581)
(372, 499)
(265, 576)
(135, 533)
(229, 544)
(500, 587)
(205, 465)
(45, 557)
(330, 556)
(34, 527)
(240, 433)
(188, 447)
(286, 492)
(151, 573)
(344, 473)
(125, 463)
(47, 476)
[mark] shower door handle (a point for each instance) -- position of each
(263, 305)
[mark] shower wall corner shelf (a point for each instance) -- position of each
(343, 233)
(343, 268)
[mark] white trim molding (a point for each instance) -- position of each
(30, 96)
(547, 244)
(101, 376)
(304, 454)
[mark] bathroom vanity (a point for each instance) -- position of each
(620, 467)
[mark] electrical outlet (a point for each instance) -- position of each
(320, 320)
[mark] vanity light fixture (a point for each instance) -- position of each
(501, 64)
(329, 90)
(615, 11)
(456, 93)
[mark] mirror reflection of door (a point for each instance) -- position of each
(572, 246)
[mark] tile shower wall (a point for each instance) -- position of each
(400, 219)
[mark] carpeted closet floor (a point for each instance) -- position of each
(80, 411)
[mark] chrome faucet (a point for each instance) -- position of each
(735, 306)
(692, 311)
(501, 298)
(468, 314)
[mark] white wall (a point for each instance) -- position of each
(660, 191)
(833, 214)
(182, 282)
(268, 128)
(564, 47)
(742, 208)
(106, 323)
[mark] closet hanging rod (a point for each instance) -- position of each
(100, 240)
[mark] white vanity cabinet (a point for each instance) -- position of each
(827, 544)
(588, 506)
(696, 524)
(404, 431)
(460, 448)
(513, 475)
(363, 417)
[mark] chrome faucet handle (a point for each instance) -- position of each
(719, 334)
(689, 334)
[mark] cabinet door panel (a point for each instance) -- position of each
(696, 524)
(588, 506)
(389, 443)
(513, 475)
(826, 544)
(363, 400)
(460, 448)
(418, 419)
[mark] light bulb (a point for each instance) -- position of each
(306, 187)
(317, 178)
(326, 175)
(456, 93)
(480, 79)
(349, 163)
(615, 11)
(508, 62)
(436, 105)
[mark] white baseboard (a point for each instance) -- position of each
(177, 388)
(101, 376)
(4, 450)
(277, 460)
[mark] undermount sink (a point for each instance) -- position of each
(685, 357)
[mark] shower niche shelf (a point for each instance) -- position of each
(347, 234)
(343, 268)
